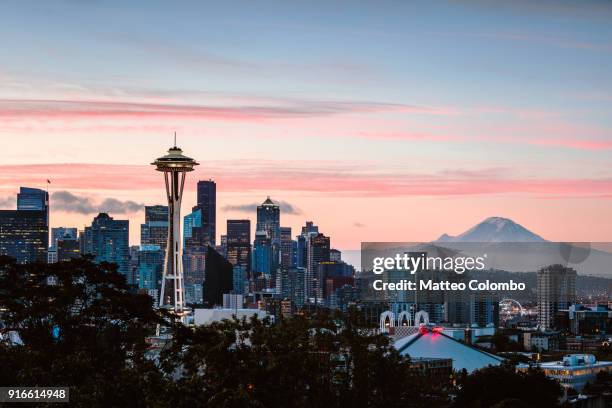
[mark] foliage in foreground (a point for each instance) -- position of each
(88, 330)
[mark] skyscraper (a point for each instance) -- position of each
(207, 202)
(239, 244)
(67, 249)
(194, 261)
(335, 255)
(240, 279)
(32, 199)
(222, 247)
(24, 235)
(286, 247)
(58, 233)
(218, 278)
(154, 231)
(107, 240)
(150, 267)
(292, 286)
(25, 231)
(268, 221)
(262, 254)
(556, 291)
(309, 229)
(175, 166)
(62, 233)
(191, 220)
(302, 243)
(318, 251)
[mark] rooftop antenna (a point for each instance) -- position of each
(175, 138)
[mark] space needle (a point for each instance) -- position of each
(174, 165)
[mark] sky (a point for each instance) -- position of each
(377, 120)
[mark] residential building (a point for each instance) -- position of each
(556, 291)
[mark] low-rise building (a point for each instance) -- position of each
(431, 342)
(437, 370)
(589, 320)
(541, 341)
(574, 371)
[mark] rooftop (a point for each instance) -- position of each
(433, 343)
(575, 361)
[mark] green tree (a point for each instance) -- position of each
(80, 326)
(494, 385)
(325, 360)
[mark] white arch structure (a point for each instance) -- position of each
(404, 317)
(387, 320)
(422, 317)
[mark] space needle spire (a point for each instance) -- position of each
(174, 165)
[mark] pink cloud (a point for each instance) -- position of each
(576, 143)
(97, 109)
(558, 141)
(332, 179)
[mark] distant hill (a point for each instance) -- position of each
(494, 229)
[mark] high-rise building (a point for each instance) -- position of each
(67, 249)
(218, 278)
(57, 234)
(207, 202)
(286, 247)
(268, 220)
(240, 279)
(309, 229)
(233, 301)
(194, 294)
(154, 231)
(301, 251)
(25, 231)
(190, 221)
(32, 199)
(484, 309)
(150, 267)
(133, 277)
(239, 244)
(262, 254)
(335, 255)
(294, 253)
(222, 247)
(332, 275)
(556, 291)
(24, 235)
(107, 240)
(292, 286)
(318, 251)
(301, 258)
(194, 261)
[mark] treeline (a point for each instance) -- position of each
(78, 324)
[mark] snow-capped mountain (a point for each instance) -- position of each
(495, 229)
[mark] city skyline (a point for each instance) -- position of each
(362, 125)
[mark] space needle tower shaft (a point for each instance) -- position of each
(175, 166)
